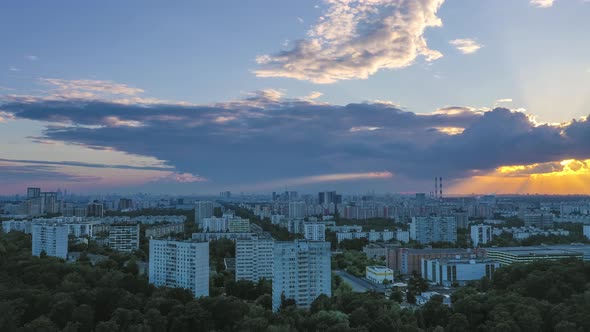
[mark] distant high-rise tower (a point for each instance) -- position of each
(440, 193)
(33, 192)
(435, 187)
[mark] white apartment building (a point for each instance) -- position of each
(24, 226)
(373, 236)
(203, 209)
(180, 264)
(82, 229)
(297, 210)
(433, 229)
(51, 239)
(301, 271)
(521, 233)
(481, 234)
(124, 237)
(314, 231)
(227, 223)
(214, 225)
(238, 225)
(254, 258)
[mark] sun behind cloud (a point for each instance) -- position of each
(569, 176)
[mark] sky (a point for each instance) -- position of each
(198, 97)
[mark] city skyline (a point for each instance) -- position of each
(349, 96)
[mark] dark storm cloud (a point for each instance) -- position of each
(267, 137)
(10, 174)
(81, 164)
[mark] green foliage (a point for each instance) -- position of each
(51, 295)
(353, 262)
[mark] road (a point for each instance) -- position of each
(358, 285)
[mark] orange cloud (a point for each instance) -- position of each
(560, 177)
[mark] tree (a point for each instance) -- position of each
(329, 320)
(457, 323)
(397, 296)
(435, 313)
(41, 324)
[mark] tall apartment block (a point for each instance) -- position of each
(254, 258)
(95, 209)
(314, 231)
(33, 192)
(125, 204)
(180, 264)
(203, 209)
(481, 234)
(297, 210)
(51, 239)
(124, 237)
(433, 229)
(301, 271)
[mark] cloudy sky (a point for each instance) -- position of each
(352, 95)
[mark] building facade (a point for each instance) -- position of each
(379, 275)
(301, 272)
(124, 237)
(314, 231)
(159, 231)
(481, 234)
(203, 209)
(180, 264)
(51, 239)
(297, 210)
(541, 220)
(408, 261)
(511, 255)
(433, 229)
(254, 258)
(447, 271)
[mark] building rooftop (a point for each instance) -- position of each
(378, 268)
(559, 250)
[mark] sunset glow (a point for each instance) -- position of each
(561, 177)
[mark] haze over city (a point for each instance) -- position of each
(303, 165)
(201, 97)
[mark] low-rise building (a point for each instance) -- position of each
(424, 297)
(521, 233)
(24, 226)
(447, 271)
(208, 237)
(374, 251)
(159, 231)
(408, 261)
(379, 275)
(511, 255)
(373, 236)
